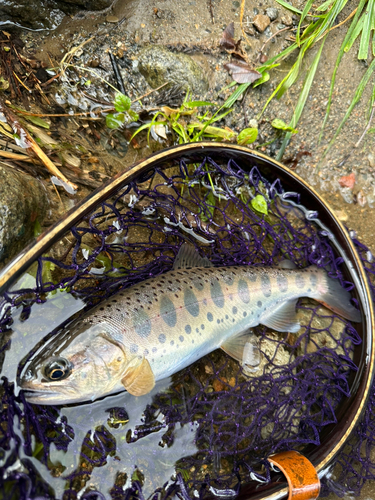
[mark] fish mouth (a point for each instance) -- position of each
(38, 396)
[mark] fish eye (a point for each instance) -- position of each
(57, 369)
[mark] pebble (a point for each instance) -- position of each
(261, 22)
(341, 215)
(287, 20)
(253, 123)
(112, 19)
(272, 13)
(371, 160)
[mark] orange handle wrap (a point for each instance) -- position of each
(302, 477)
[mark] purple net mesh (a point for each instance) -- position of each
(210, 428)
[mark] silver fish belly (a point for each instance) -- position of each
(155, 328)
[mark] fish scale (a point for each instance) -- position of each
(154, 329)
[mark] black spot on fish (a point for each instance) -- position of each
(282, 283)
(154, 349)
(141, 323)
(234, 310)
(244, 314)
(313, 280)
(252, 276)
(198, 285)
(133, 348)
(188, 329)
(191, 302)
(161, 338)
(217, 294)
(266, 285)
(168, 311)
(172, 342)
(259, 303)
(197, 330)
(218, 321)
(226, 316)
(202, 327)
(181, 338)
(209, 316)
(243, 291)
(300, 281)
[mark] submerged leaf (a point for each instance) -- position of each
(247, 136)
(241, 72)
(37, 121)
(259, 203)
(122, 102)
(281, 125)
(114, 120)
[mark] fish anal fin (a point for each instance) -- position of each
(245, 349)
(282, 318)
(188, 257)
(139, 380)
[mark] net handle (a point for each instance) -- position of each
(303, 480)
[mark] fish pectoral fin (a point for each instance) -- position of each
(188, 257)
(282, 318)
(245, 349)
(139, 380)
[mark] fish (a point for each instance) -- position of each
(157, 327)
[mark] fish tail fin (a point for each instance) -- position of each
(336, 298)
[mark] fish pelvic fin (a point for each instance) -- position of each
(245, 349)
(336, 298)
(282, 318)
(139, 378)
(188, 257)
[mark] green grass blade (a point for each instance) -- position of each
(357, 30)
(303, 15)
(338, 60)
(324, 6)
(289, 7)
(366, 32)
(302, 99)
(236, 94)
(356, 98)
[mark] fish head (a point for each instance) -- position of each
(80, 366)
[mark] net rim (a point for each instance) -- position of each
(324, 453)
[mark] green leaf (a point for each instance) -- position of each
(197, 104)
(236, 94)
(303, 15)
(263, 79)
(247, 136)
(259, 204)
(36, 121)
(288, 6)
(371, 130)
(134, 117)
(281, 125)
(115, 120)
(122, 102)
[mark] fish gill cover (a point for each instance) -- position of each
(210, 427)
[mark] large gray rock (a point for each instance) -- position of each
(159, 65)
(43, 14)
(23, 200)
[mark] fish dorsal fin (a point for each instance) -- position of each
(282, 318)
(139, 378)
(188, 257)
(245, 349)
(286, 264)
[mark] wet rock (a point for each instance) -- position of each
(272, 13)
(261, 22)
(35, 14)
(158, 65)
(22, 201)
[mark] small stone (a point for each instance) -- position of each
(287, 20)
(341, 215)
(272, 13)
(347, 180)
(261, 22)
(208, 369)
(361, 198)
(218, 385)
(112, 19)
(371, 160)
(253, 123)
